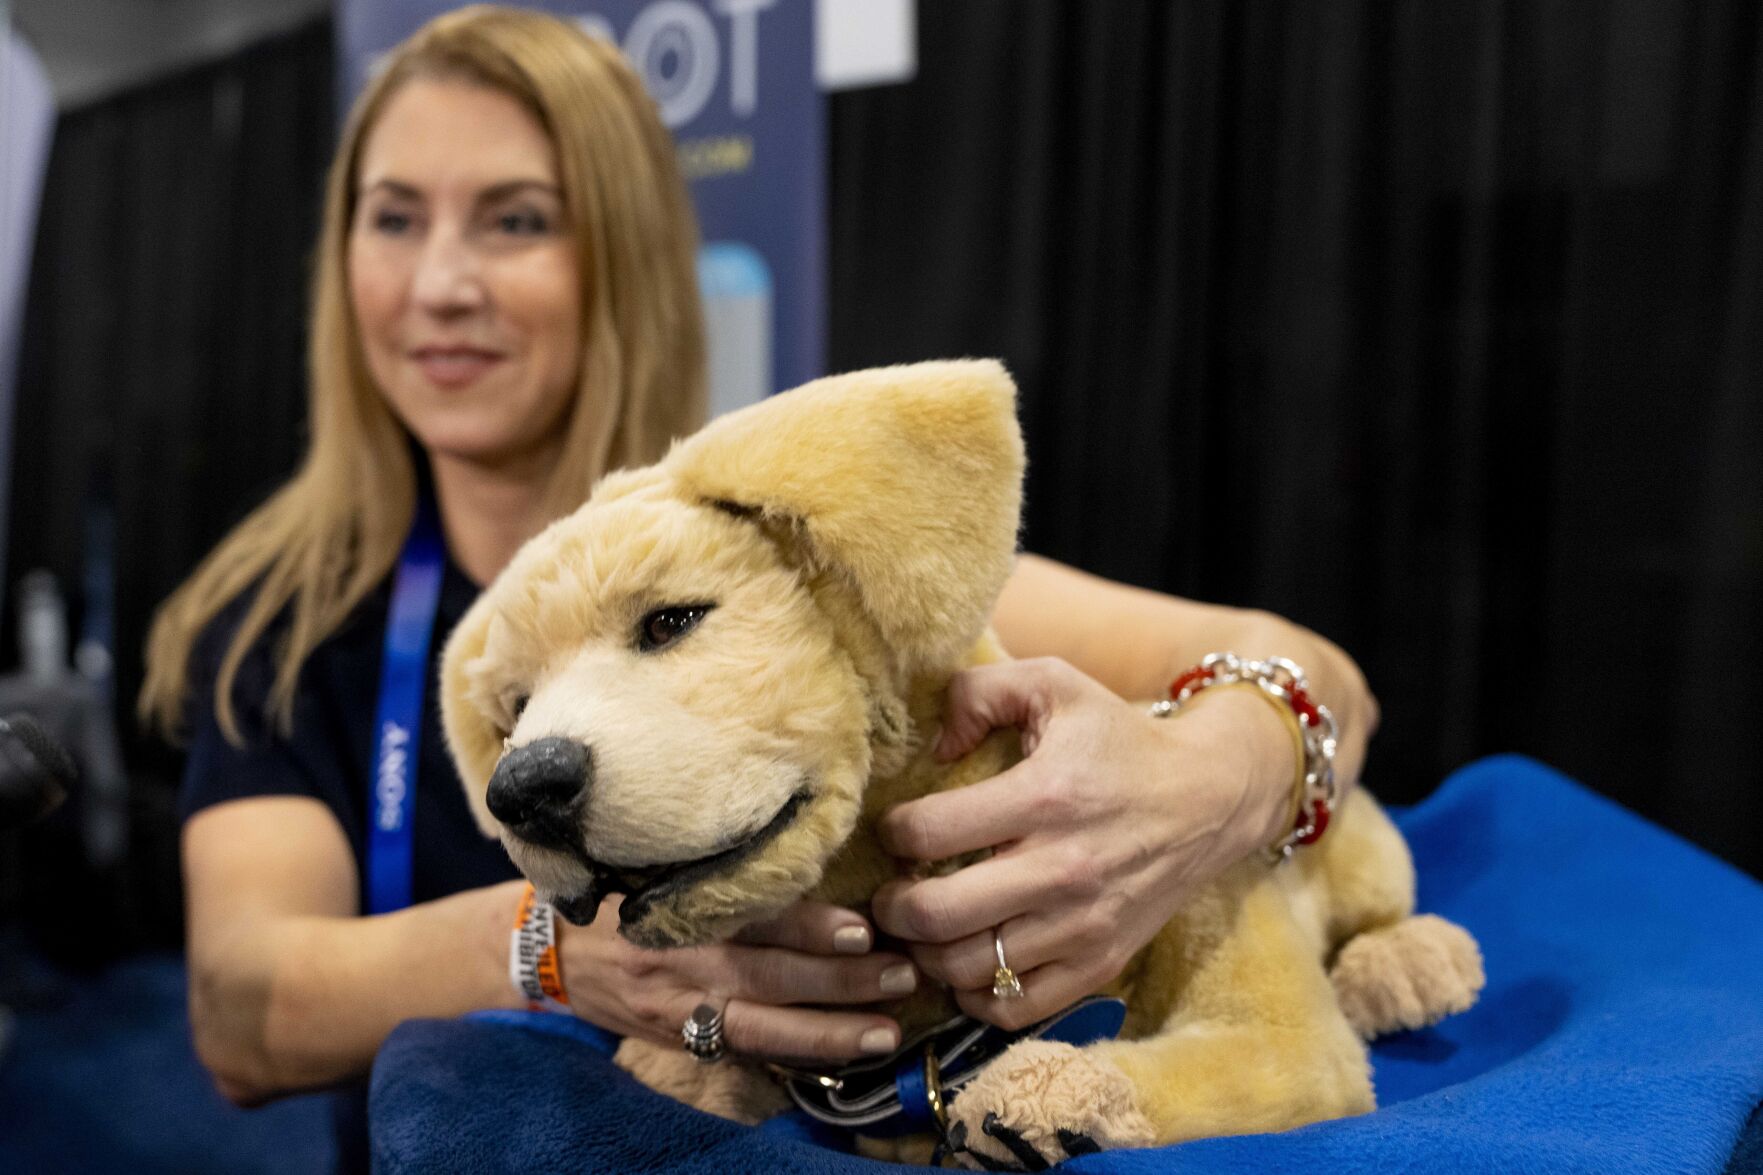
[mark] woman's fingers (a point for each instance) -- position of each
(760, 1030)
(992, 812)
(1029, 941)
(1022, 694)
(1033, 795)
(815, 927)
(756, 986)
(1045, 991)
(770, 975)
(986, 893)
(982, 699)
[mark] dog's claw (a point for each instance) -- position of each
(1076, 1144)
(957, 1144)
(1019, 1146)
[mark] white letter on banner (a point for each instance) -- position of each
(680, 28)
(743, 74)
(597, 26)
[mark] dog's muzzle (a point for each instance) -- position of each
(537, 792)
(647, 885)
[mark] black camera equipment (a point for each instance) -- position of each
(35, 772)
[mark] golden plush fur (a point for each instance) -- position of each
(843, 545)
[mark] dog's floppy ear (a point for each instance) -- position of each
(472, 737)
(907, 480)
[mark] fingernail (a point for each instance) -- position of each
(899, 979)
(851, 940)
(878, 1040)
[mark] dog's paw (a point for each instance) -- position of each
(1041, 1103)
(1407, 976)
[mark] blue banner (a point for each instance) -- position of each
(27, 121)
(735, 83)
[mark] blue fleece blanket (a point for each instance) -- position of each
(1621, 1030)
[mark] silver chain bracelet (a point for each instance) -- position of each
(1283, 683)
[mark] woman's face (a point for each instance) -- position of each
(463, 273)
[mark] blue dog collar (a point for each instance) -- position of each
(900, 1094)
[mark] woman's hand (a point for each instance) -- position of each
(811, 954)
(1101, 832)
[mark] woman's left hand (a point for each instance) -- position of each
(1100, 834)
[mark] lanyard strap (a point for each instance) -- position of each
(397, 742)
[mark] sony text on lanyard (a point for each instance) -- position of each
(397, 741)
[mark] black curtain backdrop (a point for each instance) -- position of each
(163, 373)
(1430, 326)
(161, 384)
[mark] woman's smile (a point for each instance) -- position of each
(455, 366)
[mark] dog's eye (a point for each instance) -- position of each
(513, 708)
(663, 626)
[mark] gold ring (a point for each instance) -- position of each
(1005, 985)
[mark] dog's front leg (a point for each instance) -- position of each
(728, 1090)
(1251, 1041)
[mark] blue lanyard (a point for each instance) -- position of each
(397, 740)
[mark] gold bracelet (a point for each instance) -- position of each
(1290, 718)
(1315, 736)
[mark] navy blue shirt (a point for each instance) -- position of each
(328, 755)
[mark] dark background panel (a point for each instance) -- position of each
(161, 396)
(163, 374)
(1433, 327)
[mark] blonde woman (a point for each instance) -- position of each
(504, 308)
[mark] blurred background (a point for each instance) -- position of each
(1432, 326)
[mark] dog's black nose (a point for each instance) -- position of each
(536, 788)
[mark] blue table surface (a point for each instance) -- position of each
(1621, 1028)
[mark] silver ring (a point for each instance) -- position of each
(702, 1033)
(1005, 985)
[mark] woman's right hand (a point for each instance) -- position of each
(812, 953)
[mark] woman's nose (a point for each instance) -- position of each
(449, 277)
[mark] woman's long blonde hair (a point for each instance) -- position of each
(333, 532)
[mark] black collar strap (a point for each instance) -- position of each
(904, 1093)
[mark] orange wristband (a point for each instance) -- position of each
(533, 964)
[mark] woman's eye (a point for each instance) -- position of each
(523, 223)
(392, 222)
(663, 626)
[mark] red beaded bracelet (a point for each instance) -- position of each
(1283, 683)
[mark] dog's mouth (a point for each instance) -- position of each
(647, 885)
